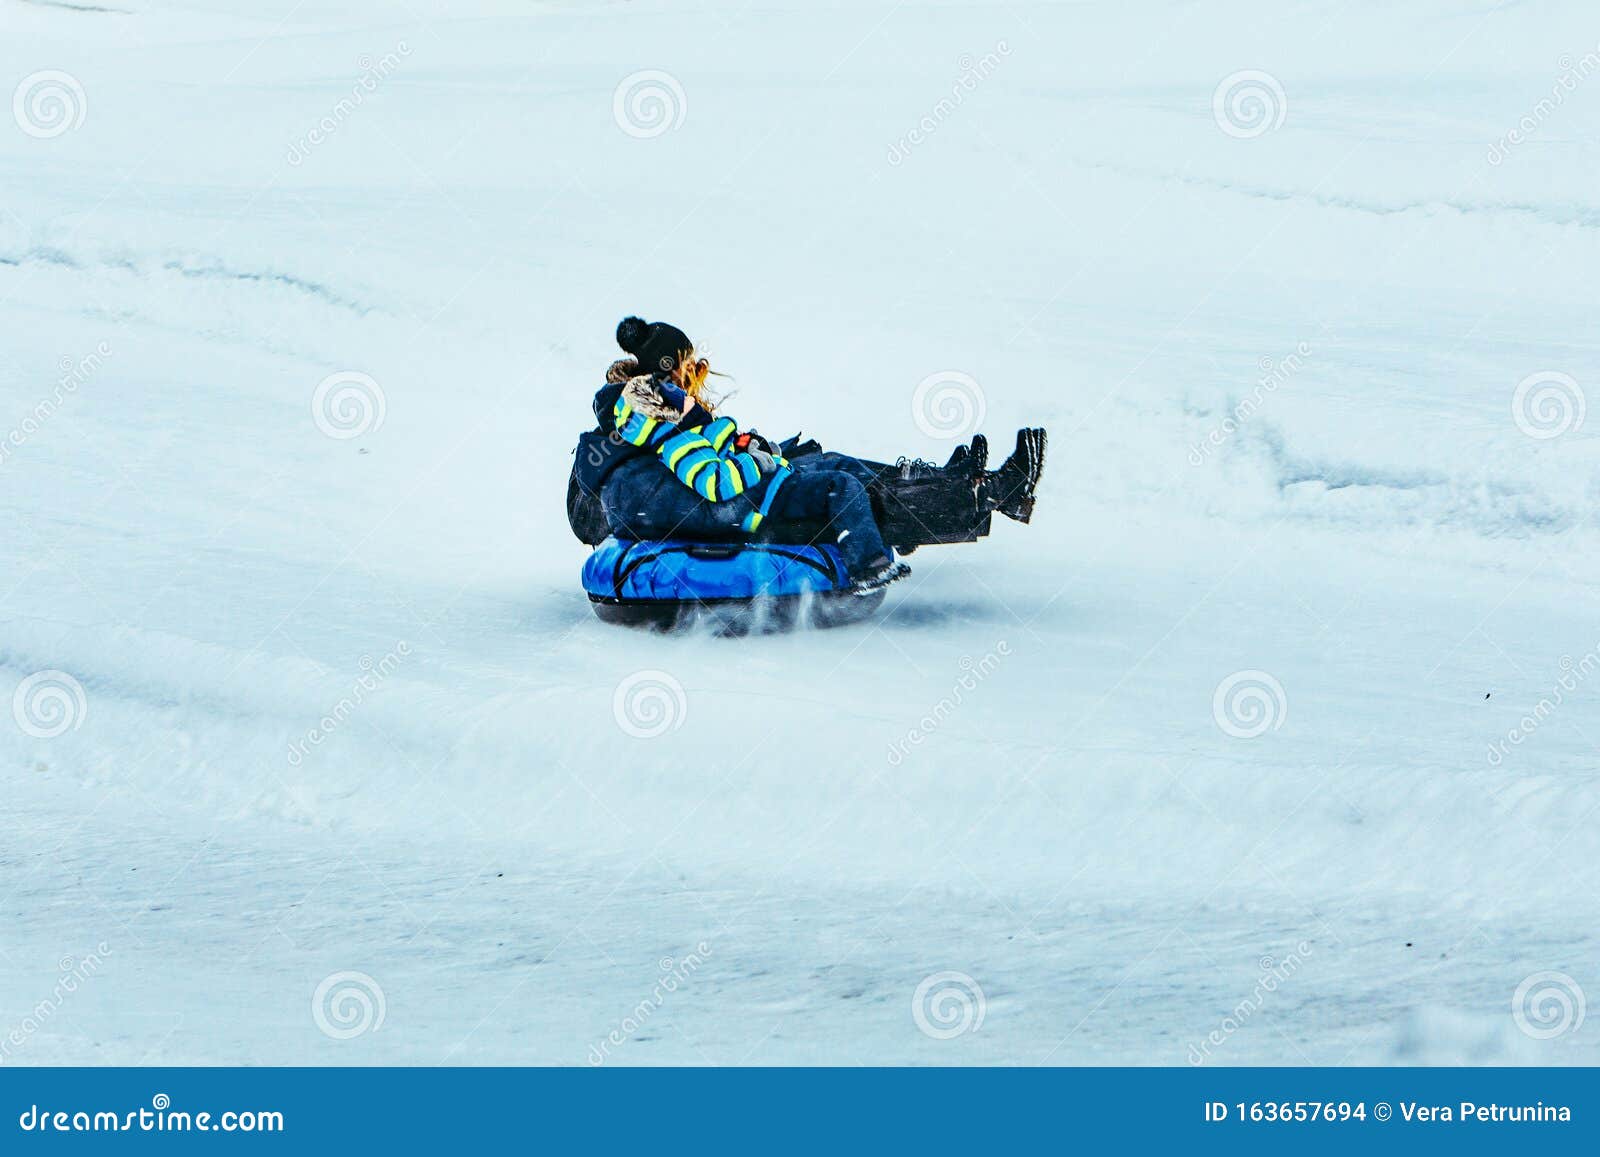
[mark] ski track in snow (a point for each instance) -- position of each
(210, 270)
(1581, 216)
(1395, 572)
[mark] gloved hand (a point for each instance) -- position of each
(750, 440)
(671, 394)
(767, 463)
(795, 448)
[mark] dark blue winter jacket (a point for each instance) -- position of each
(700, 454)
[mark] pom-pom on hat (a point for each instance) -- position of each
(657, 345)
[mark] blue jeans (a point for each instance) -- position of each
(642, 499)
(834, 496)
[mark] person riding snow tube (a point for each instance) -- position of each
(688, 512)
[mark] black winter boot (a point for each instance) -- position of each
(1010, 489)
(970, 460)
(967, 462)
(879, 574)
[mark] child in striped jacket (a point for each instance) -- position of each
(708, 478)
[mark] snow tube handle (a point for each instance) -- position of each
(712, 551)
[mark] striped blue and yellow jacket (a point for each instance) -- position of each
(704, 458)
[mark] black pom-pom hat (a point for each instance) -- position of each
(657, 345)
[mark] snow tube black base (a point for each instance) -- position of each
(732, 588)
(735, 617)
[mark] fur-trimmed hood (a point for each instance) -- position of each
(640, 390)
(621, 370)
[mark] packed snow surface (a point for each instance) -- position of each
(1272, 740)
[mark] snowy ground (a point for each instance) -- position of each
(1387, 552)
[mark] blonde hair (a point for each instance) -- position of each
(690, 376)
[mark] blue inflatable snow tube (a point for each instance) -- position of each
(739, 585)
